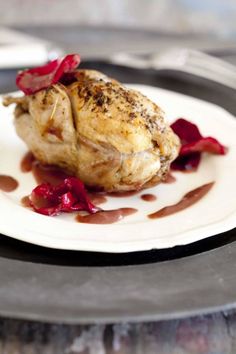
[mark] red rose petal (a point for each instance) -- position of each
(67, 65)
(210, 145)
(68, 196)
(186, 131)
(186, 163)
(193, 144)
(33, 80)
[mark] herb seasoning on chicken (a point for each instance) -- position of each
(109, 136)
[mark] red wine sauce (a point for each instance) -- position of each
(27, 162)
(189, 199)
(169, 179)
(148, 197)
(106, 216)
(25, 201)
(8, 183)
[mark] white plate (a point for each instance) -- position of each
(214, 214)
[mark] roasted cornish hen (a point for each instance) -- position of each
(109, 136)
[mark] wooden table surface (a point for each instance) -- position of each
(211, 334)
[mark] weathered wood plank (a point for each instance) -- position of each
(212, 334)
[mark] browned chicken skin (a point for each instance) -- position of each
(109, 136)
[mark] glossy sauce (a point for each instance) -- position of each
(42, 173)
(27, 162)
(8, 183)
(106, 216)
(48, 174)
(25, 201)
(97, 198)
(148, 197)
(169, 179)
(189, 199)
(55, 175)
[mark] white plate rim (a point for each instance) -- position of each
(226, 223)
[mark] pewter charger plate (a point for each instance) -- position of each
(81, 287)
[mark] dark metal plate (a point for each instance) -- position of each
(82, 287)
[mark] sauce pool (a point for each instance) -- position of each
(8, 183)
(48, 174)
(42, 173)
(106, 216)
(97, 198)
(169, 179)
(27, 162)
(54, 175)
(148, 197)
(25, 201)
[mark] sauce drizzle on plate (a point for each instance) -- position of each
(25, 201)
(188, 199)
(169, 179)
(27, 161)
(54, 175)
(106, 216)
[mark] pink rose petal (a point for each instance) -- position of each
(33, 80)
(68, 196)
(192, 145)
